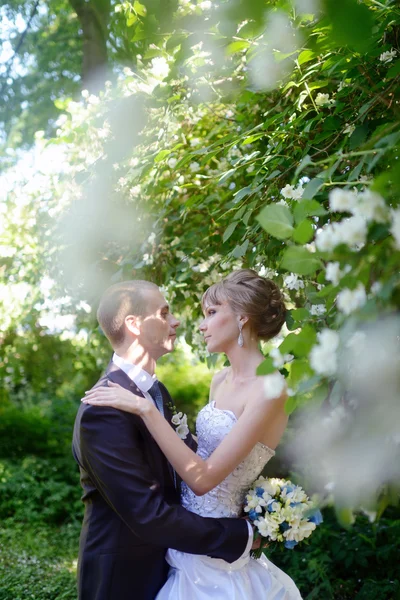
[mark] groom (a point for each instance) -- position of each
(131, 493)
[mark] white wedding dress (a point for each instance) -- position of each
(194, 577)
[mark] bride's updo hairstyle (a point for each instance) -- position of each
(255, 297)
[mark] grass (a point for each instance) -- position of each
(38, 563)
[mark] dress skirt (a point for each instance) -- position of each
(197, 577)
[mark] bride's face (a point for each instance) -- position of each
(219, 327)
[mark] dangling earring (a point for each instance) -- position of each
(240, 338)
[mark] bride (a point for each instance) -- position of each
(237, 431)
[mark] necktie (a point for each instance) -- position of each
(156, 394)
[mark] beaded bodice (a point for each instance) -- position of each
(225, 500)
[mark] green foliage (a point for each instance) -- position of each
(188, 384)
(338, 564)
(40, 490)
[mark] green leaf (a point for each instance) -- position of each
(299, 370)
(241, 250)
(277, 220)
(345, 516)
(175, 40)
(131, 20)
(312, 188)
(226, 175)
(229, 230)
(358, 136)
(161, 155)
(139, 8)
(352, 23)
(299, 260)
(336, 394)
(305, 340)
(290, 405)
(266, 367)
(394, 70)
(308, 208)
(237, 47)
(242, 193)
(273, 175)
(299, 314)
(304, 232)
(303, 164)
(305, 56)
(290, 323)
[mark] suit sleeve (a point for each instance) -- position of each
(112, 453)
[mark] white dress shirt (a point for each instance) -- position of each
(143, 380)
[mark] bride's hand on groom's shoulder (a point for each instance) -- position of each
(118, 397)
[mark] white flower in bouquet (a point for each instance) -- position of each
(300, 531)
(268, 529)
(287, 515)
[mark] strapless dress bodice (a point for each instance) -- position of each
(225, 500)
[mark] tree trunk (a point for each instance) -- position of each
(94, 16)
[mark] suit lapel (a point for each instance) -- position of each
(115, 374)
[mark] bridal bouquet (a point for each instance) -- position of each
(281, 511)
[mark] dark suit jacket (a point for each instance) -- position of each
(132, 511)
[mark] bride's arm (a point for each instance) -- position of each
(259, 416)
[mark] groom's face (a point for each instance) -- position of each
(158, 329)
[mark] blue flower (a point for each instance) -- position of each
(316, 517)
(288, 488)
(292, 504)
(284, 526)
(270, 507)
(290, 544)
(253, 514)
(260, 492)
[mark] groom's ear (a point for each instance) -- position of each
(132, 323)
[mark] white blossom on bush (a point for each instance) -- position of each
(323, 100)
(318, 309)
(292, 282)
(333, 272)
(278, 359)
(349, 129)
(274, 385)
(289, 191)
(352, 231)
(342, 200)
(323, 355)
(350, 300)
(388, 56)
(395, 228)
(327, 238)
(371, 206)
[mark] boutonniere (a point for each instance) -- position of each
(179, 420)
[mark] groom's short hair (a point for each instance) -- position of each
(119, 301)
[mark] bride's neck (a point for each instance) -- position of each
(244, 362)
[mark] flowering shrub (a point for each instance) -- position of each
(269, 143)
